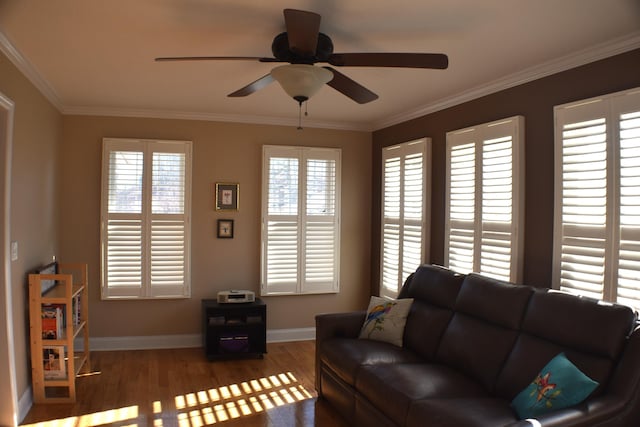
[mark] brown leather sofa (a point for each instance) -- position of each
(471, 344)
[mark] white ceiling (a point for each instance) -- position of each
(97, 57)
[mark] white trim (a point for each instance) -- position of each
(213, 117)
(6, 143)
(30, 71)
(184, 341)
(285, 335)
(25, 403)
(594, 53)
(586, 56)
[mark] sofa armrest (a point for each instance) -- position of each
(619, 406)
(343, 325)
(336, 325)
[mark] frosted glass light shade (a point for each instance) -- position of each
(301, 81)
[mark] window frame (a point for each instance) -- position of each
(146, 290)
(400, 268)
(476, 137)
(301, 285)
(610, 108)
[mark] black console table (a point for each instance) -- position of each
(234, 330)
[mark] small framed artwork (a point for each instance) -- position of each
(227, 196)
(225, 229)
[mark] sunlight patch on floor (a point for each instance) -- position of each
(217, 405)
(199, 408)
(111, 416)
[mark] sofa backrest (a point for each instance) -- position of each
(485, 326)
(434, 291)
(591, 333)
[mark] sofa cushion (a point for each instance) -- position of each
(434, 290)
(467, 412)
(425, 325)
(498, 302)
(345, 356)
(433, 284)
(484, 328)
(558, 385)
(386, 319)
(392, 387)
(580, 323)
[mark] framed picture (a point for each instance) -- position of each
(225, 229)
(227, 196)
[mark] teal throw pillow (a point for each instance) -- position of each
(559, 384)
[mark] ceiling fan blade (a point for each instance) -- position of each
(350, 88)
(403, 60)
(302, 31)
(212, 58)
(252, 87)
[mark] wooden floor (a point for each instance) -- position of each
(181, 388)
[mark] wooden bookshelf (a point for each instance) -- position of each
(70, 294)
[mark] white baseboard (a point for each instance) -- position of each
(184, 341)
(25, 403)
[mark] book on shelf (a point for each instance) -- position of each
(75, 310)
(52, 321)
(55, 367)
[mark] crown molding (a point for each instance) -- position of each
(29, 70)
(595, 53)
(213, 117)
(586, 56)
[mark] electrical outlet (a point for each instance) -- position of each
(14, 251)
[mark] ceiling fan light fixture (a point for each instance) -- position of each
(301, 81)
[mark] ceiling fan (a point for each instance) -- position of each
(303, 45)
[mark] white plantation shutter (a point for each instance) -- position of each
(462, 194)
(145, 218)
(485, 184)
(405, 193)
(300, 237)
(628, 278)
(597, 212)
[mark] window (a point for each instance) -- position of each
(485, 199)
(145, 219)
(405, 202)
(597, 198)
(300, 220)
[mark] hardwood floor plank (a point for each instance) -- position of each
(180, 387)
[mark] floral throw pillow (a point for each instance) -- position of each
(386, 319)
(559, 384)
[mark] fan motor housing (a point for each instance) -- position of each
(281, 51)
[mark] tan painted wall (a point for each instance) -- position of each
(37, 130)
(222, 152)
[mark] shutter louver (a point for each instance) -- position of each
(497, 208)
(124, 253)
(628, 291)
(462, 207)
(584, 204)
(391, 225)
(168, 222)
(282, 253)
(124, 226)
(320, 226)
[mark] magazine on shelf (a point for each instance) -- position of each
(52, 321)
(55, 367)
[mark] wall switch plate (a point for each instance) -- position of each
(14, 251)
